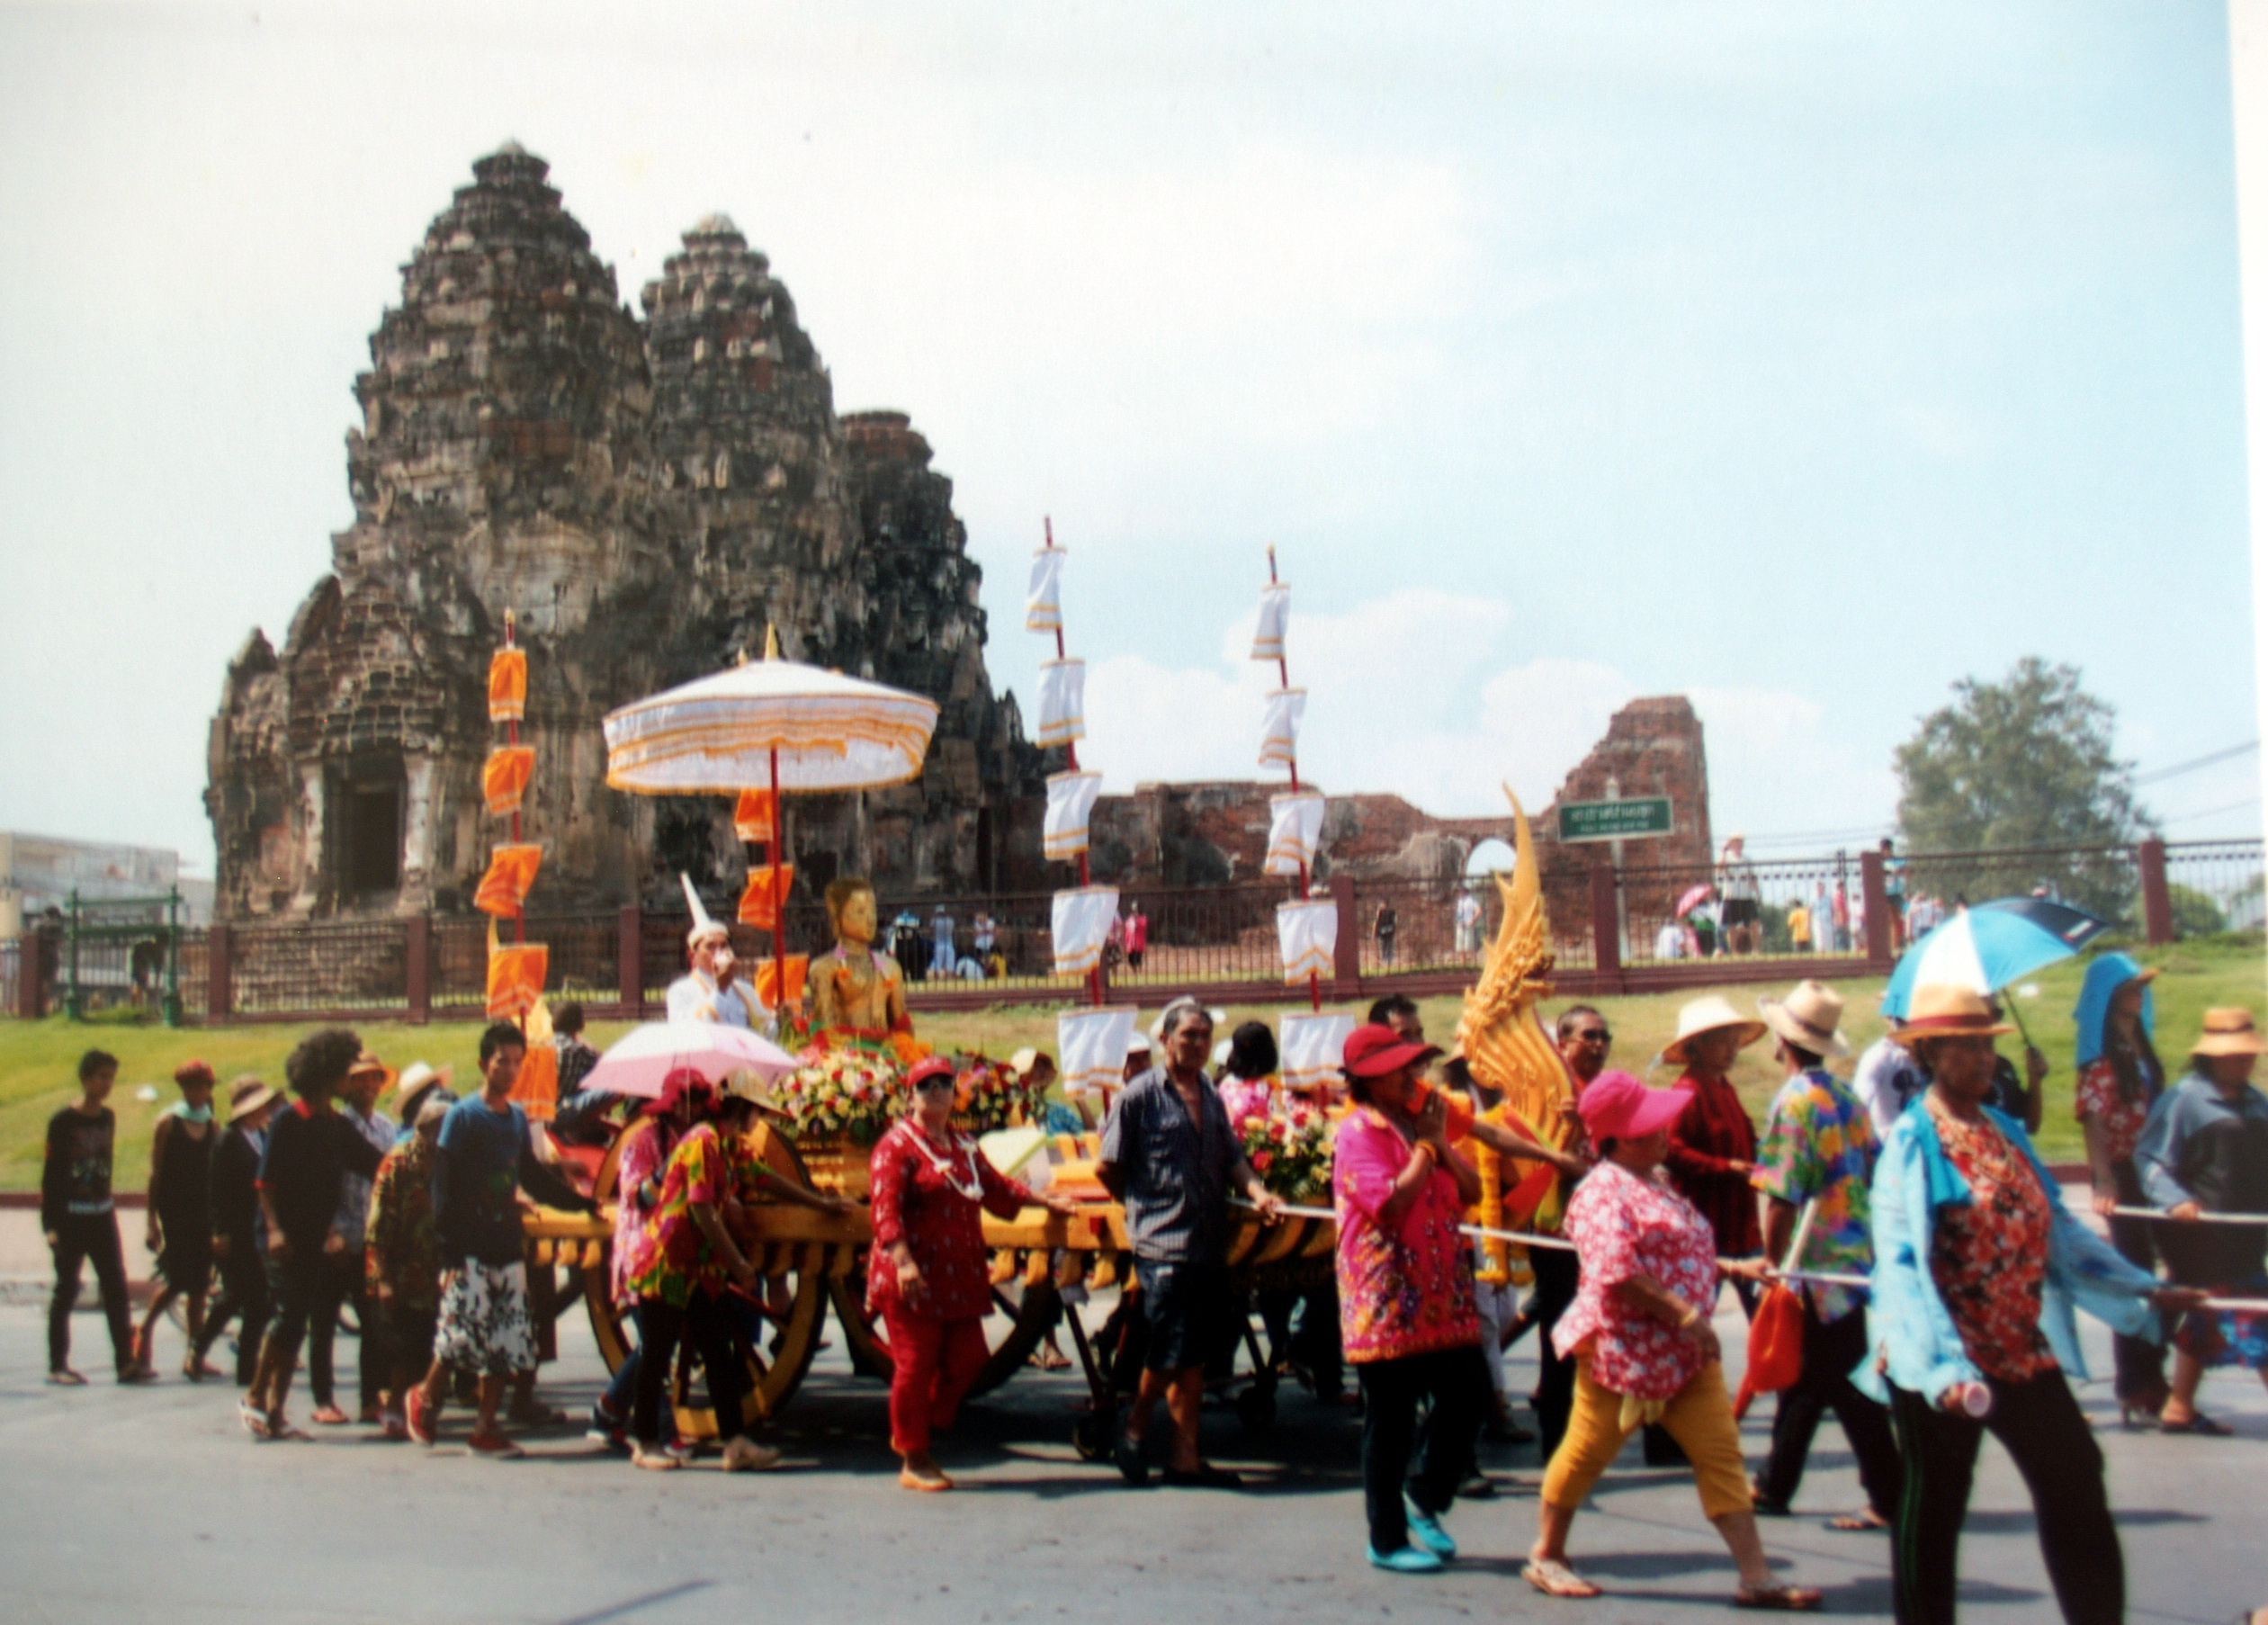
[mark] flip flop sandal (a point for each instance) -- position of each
(1555, 1579)
(1779, 1599)
(1857, 1522)
(2199, 1423)
(255, 1423)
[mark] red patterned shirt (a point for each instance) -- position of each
(920, 1196)
(1625, 1226)
(1989, 1258)
(1409, 1292)
(1712, 1147)
(2120, 1119)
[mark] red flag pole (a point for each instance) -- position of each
(512, 734)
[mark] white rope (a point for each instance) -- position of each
(2203, 1218)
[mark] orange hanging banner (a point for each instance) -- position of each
(503, 781)
(767, 986)
(537, 1090)
(511, 875)
(760, 904)
(516, 975)
(756, 818)
(507, 686)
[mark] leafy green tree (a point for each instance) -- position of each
(2195, 913)
(2025, 765)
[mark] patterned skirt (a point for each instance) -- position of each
(483, 1323)
(2228, 1337)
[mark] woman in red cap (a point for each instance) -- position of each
(1407, 1312)
(929, 1277)
(1639, 1333)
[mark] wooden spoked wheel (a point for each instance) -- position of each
(1023, 1314)
(797, 1273)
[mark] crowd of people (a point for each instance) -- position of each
(1923, 1252)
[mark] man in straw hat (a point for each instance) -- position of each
(2205, 1150)
(1819, 1150)
(707, 991)
(236, 1226)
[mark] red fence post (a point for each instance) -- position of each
(2157, 897)
(629, 960)
(220, 994)
(417, 968)
(1605, 926)
(1874, 892)
(1346, 953)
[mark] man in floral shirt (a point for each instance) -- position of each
(1819, 1148)
(402, 1264)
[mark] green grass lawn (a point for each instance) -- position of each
(38, 1059)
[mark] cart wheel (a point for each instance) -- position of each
(1256, 1408)
(1090, 1435)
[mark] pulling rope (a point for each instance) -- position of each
(2203, 1218)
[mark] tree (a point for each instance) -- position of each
(2023, 764)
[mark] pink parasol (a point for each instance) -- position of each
(637, 1062)
(1694, 899)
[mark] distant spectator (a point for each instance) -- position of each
(1799, 927)
(1669, 942)
(944, 958)
(79, 1217)
(1902, 930)
(1468, 922)
(1743, 897)
(1389, 924)
(1138, 936)
(1398, 1011)
(576, 1057)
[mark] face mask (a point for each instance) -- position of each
(193, 1114)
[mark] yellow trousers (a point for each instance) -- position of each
(1699, 1416)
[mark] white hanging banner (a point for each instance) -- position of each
(1312, 1044)
(1279, 738)
(1063, 699)
(1071, 803)
(1083, 917)
(1094, 1044)
(1294, 831)
(1043, 603)
(1307, 935)
(1275, 613)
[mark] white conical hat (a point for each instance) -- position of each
(703, 925)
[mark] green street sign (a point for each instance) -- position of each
(1638, 819)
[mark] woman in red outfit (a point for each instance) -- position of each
(930, 1277)
(1713, 1144)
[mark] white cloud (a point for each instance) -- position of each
(1410, 694)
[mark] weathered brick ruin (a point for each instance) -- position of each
(1215, 833)
(645, 497)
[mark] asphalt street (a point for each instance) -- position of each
(126, 1504)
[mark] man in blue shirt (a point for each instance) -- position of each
(486, 1154)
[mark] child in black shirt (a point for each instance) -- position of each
(80, 1219)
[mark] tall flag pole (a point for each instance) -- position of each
(517, 973)
(1296, 827)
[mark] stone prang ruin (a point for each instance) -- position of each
(646, 497)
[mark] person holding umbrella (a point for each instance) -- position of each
(929, 1276)
(2205, 1150)
(1976, 1267)
(2119, 1080)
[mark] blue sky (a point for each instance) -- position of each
(1803, 359)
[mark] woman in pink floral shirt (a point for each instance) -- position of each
(686, 1097)
(1639, 1333)
(1406, 1310)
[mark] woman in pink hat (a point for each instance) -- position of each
(1639, 1333)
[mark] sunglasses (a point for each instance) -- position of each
(931, 1085)
(1596, 1035)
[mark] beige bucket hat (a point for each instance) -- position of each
(1810, 1018)
(1708, 1015)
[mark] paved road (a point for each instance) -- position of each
(119, 1504)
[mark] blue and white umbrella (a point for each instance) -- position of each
(1987, 947)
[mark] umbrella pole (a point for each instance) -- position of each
(779, 905)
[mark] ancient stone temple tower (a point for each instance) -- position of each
(646, 497)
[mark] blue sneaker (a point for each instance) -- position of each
(1425, 1527)
(1409, 1560)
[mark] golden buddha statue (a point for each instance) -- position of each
(852, 985)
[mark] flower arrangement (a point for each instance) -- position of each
(851, 1093)
(988, 1095)
(1291, 1149)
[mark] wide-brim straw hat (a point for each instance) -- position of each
(1810, 1018)
(1940, 1011)
(748, 1084)
(2229, 1032)
(368, 1065)
(1708, 1015)
(247, 1096)
(418, 1074)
